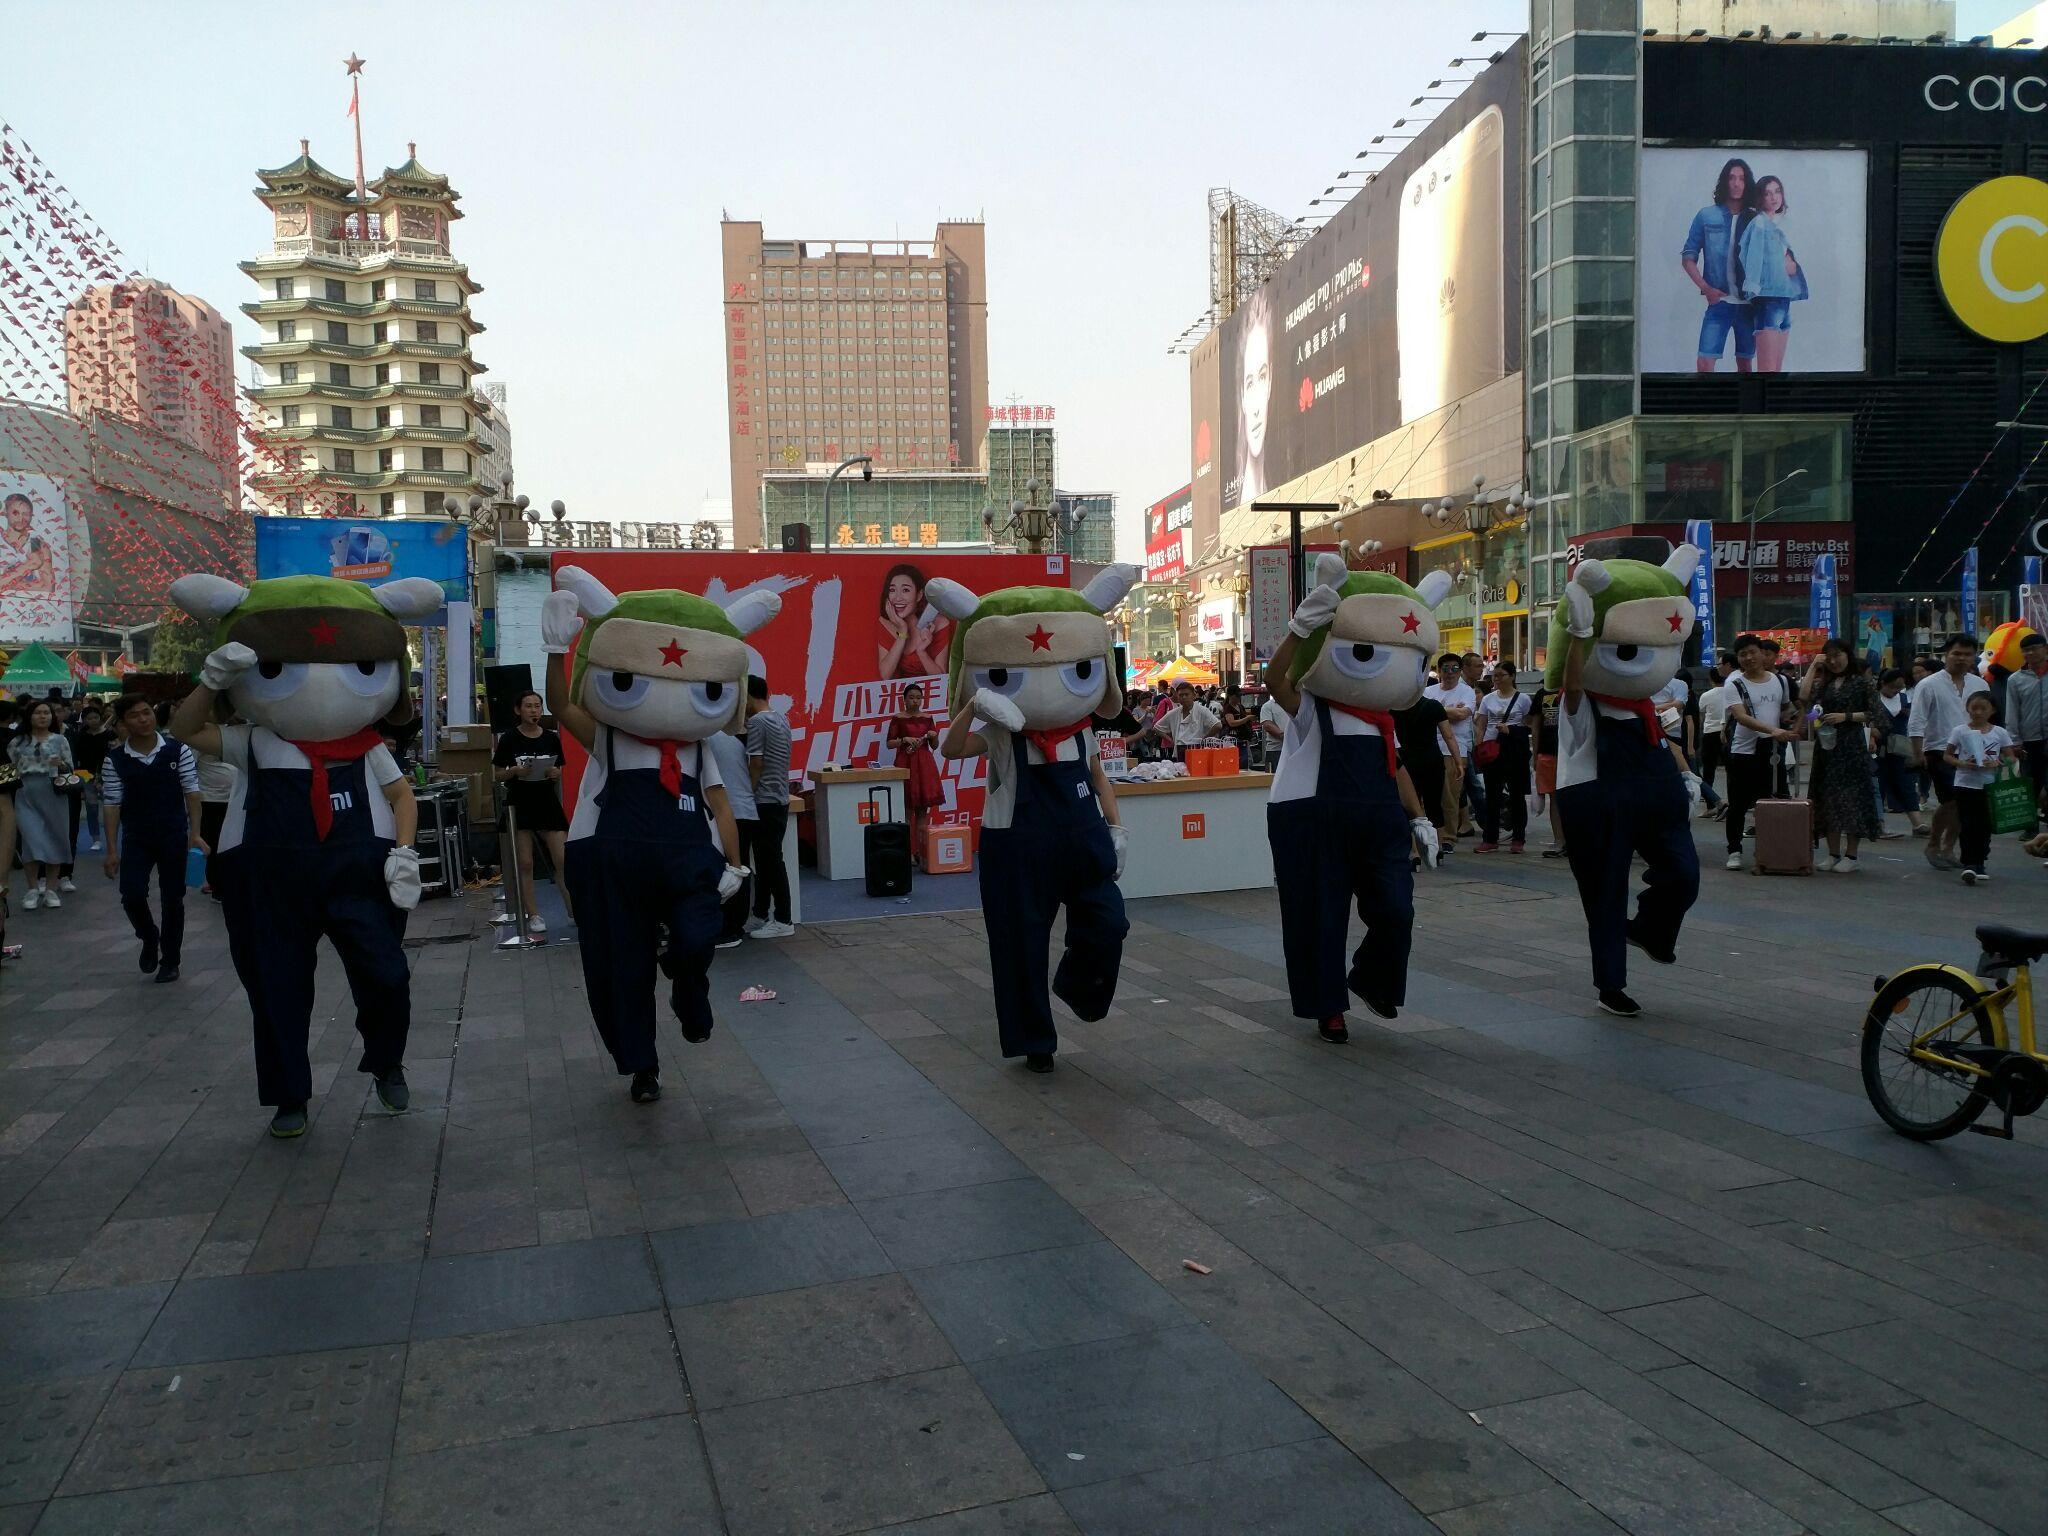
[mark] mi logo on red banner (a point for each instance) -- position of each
(1193, 826)
(867, 810)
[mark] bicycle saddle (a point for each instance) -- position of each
(2012, 943)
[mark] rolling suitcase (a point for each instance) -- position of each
(885, 849)
(1784, 838)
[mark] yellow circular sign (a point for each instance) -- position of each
(1991, 259)
(1514, 592)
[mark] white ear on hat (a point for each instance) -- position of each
(950, 598)
(208, 599)
(1683, 561)
(1106, 590)
(410, 597)
(750, 612)
(593, 598)
(1331, 570)
(1434, 588)
(1593, 576)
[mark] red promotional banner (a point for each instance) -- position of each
(853, 631)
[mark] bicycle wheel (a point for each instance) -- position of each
(1917, 1098)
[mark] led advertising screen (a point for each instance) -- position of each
(1397, 307)
(1166, 535)
(1752, 259)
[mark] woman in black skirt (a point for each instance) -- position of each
(528, 762)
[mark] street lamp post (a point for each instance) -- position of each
(1032, 524)
(867, 473)
(1749, 553)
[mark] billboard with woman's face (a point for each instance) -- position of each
(1751, 259)
(45, 560)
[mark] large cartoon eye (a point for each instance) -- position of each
(711, 700)
(621, 690)
(1082, 677)
(1627, 660)
(1362, 661)
(368, 678)
(269, 681)
(1004, 680)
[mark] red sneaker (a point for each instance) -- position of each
(1487, 848)
(1515, 846)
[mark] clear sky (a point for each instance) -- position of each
(596, 144)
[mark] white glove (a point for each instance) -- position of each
(1425, 837)
(1692, 791)
(560, 618)
(730, 879)
(996, 710)
(1316, 610)
(224, 667)
(1578, 610)
(402, 877)
(1121, 841)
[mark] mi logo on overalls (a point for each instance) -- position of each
(1193, 826)
(341, 800)
(687, 802)
(1991, 259)
(1083, 791)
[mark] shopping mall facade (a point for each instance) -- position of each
(1559, 374)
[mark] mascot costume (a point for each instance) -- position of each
(1030, 666)
(318, 834)
(1617, 636)
(654, 673)
(1344, 819)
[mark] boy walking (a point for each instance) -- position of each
(1973, 753)
(151, 805)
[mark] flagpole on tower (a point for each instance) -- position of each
(355, 110)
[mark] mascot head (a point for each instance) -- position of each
(1374, 653)
(1045, 649)
(1642, 617)
(330, 654)
(666, 665)
(2002, 647)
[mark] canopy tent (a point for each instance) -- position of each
(1142, 670)
(100, 682)
(1181, 670)
(37, 666)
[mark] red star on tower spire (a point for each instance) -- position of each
(1040, 638)
(672, 654)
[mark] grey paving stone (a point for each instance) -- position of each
(1936, 1517)
(1791, 1375)
(1550, 1512)
(1110, 1403)
(783, 1181)
(1984, 1475)
(242, 1317)
(909, 1165)
(1312, 1488)
(948, 1226)
(134, 1251)
(1045, 1299)
(645, 1478)
(1463, 1359)
(531, 1381)
(314, 1501)
(76, 1334)
(722, 1260)
(1589, 1271)
(1629, 1474)
(1040, 1515)
(806, 1341)
(180, 1424)
(1783, 1486)
(1782, 1104)
(870, 1455)
(524, 1287)
(42, 1424)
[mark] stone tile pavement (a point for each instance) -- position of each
(1503, 1266)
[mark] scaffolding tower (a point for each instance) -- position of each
(1247, 243)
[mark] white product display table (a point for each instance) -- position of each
(1195, 834)
(838, 796)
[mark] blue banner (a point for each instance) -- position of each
(1820, 604)
(369, 550)
(2030, 570)
(1700, 534)
(1970, 589)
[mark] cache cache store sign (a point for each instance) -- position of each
(1166, 535)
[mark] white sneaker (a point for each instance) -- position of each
(773, 931)
(94, 846)
(535, 925)
(51, 899)
(1734, 861)
(66, 884)
(754, 925)
(32, 899)
(1824, 865)
(1845, 866)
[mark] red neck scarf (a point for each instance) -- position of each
(1380, 718)
(1048, 742)
(671, 763)
(342, 749)
(1642, 709)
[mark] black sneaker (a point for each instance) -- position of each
(167, 973)
(1333, 1030)
(392, 1092)
(149, 956)
(1038, 1061)
(1661, 956)
(289, 1121)
(1615, 1001)
(1380, 1006)
(646, 1086)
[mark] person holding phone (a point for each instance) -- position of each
(528, 762)
(912, 642)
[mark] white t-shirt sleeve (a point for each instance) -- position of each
(234, 746)
(382, 766)
(1578, 743)
(707, 768)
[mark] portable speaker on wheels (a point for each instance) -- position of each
(885, 849)
(796, 538)
(502, 689)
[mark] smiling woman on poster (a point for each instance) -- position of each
(914, 634)
(1254, 399)
(1768, 273)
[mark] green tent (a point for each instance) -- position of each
(36, 666)
(102, 682)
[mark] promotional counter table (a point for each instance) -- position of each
(837, 795)
(1195, 834)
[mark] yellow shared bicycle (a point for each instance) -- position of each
(1936, 1048)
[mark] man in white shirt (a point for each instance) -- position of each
(1940, 709)
(1713, 725)
(1188, 723)
(1272, 727)
(1755, 698)
(1463, 797)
